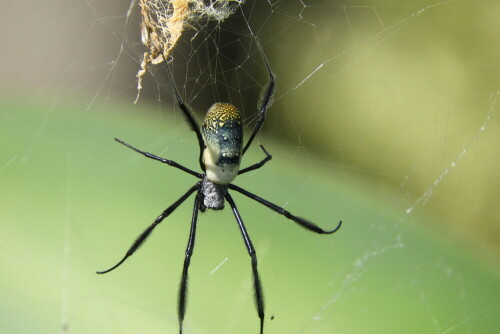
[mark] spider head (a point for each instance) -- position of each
(223, 136)
(213, 195)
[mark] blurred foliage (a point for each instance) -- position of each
(401, 100)
(73, 201)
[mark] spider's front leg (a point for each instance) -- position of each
(308, 225)
(147, 232)
(187, 260)
(259, 296)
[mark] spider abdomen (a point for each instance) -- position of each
(223, 135)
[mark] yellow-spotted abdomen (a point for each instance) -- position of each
(223, 134)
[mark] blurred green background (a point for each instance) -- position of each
(394, 131)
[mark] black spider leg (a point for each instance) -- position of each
(144, 235)
(187, 260)
(301, 221)
(165, 161)
(189, 117)
(259, 297)
(265, 100)
(258, 164)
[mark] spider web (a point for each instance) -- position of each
(385, 116)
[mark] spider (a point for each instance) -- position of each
(220, 141)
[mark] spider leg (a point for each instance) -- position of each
(259, 297)
(189, 117)
(265, 100)
(187, 260)
(259, 164)
(301, 221)
(165, 161)
(144, 235)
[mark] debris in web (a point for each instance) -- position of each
(163, 22)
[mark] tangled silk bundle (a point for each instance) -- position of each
(163, 22)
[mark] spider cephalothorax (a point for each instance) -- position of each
(220, 141)
(213, 195)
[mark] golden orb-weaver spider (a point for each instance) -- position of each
(221, 148)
